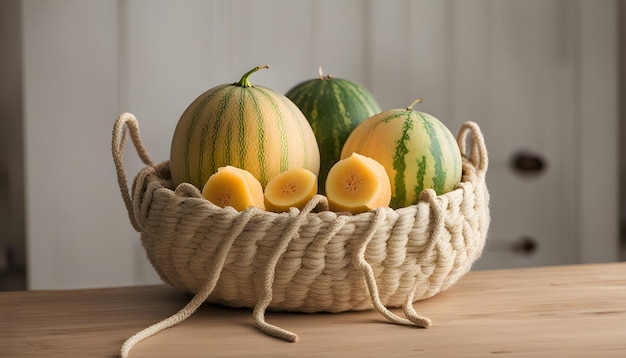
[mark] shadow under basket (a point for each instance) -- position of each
(313, 260)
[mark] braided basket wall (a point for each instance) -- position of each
(311, 260)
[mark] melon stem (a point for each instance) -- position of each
(245, 80)
(417, 101)
(322, 77)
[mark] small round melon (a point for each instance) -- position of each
(417, 150)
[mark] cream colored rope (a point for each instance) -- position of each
(118, 144)
(201, 296)
(296, 218)
(368, 273)
(478, 154)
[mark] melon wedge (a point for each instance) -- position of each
(292, 188)
(357, 184)
(232, 186)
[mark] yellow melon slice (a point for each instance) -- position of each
(232, 186)
(292, 188)
(357, 184)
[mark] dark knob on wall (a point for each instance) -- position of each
(525, 246)
(527, 163)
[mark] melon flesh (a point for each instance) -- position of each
(235, 187)
(357, 184)
(293, 188)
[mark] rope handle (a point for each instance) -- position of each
(124, 123)
(478, 154)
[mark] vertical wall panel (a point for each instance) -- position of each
(170, 56)
(277, 33)
(170, 53)
(339, 33)
(77, 228)
(471, 61)
(390, 53)
(598, 138)
(429, 74)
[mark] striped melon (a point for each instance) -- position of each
(245, 126)
(333, 107)
(416, 149)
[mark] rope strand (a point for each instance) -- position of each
(203, 293)
(368, 272)
(295, 222)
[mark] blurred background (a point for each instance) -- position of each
(544, 79)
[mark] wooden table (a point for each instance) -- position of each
(560, 311)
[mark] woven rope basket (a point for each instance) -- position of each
(307, 261)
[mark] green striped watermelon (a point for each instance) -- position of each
(417, 150)
(245, 126)
(333, 107)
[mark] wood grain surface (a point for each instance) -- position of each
(559, 311)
